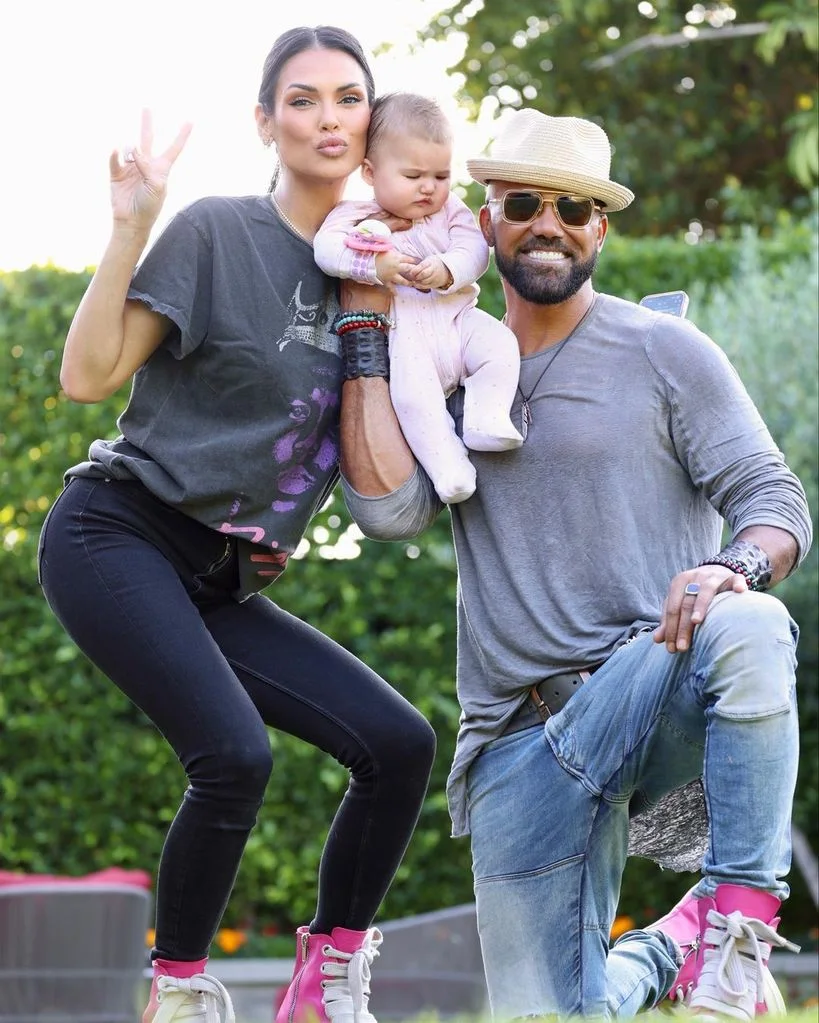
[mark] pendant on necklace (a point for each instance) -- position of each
(525, 418)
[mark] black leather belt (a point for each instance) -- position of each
(546, 699)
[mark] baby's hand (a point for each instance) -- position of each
(431, 272)
(393, 267)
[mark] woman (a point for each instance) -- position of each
(153, 554)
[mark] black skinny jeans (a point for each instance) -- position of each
(144, 591)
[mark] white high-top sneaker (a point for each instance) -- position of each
(198, 999)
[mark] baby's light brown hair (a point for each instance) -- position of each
(397, 114)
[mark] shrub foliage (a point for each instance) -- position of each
(86, 781)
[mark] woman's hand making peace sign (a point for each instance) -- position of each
(139, 182)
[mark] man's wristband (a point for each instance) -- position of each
(364, 353)
(745, 559)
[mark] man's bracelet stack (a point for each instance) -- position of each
(364, 351)
(361, 318)
(746, 559)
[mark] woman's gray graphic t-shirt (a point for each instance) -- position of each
(234, 419)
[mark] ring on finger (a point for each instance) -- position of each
(691, 589)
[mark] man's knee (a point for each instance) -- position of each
(751, 642)
(751, 616)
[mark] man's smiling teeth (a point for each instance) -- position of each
(547, 257)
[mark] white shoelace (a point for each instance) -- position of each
(681, 996)
(348, 989)
(732, 980)
(202, 999)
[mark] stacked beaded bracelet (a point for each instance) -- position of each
(745, 559)
(361, 318)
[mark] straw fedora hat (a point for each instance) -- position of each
(556, 153)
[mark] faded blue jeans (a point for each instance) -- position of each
(549, 807)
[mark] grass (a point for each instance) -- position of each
(807, 1014)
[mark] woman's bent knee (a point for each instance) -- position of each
(237, 771)
(420, 743)
(407, 752)
(424, 740)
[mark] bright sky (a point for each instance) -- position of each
(74, 77)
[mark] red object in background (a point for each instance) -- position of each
(111, 875)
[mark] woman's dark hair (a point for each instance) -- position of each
(297, 40)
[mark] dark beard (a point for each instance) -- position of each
(544, 288)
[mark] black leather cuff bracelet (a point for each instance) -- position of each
(364, 353)
(746, 559)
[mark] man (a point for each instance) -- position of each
(593, 595)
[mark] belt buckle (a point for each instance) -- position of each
(540, 705)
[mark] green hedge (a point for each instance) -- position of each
(86, 782)
(633, 267)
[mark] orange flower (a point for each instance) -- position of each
(230, 940)
(621, 925)
(150, 937)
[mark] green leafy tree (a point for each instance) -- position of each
(711, 107)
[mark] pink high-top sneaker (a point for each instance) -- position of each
(726, 942)
(331, 977)
(682, 923)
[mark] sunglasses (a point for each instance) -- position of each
(524, 207)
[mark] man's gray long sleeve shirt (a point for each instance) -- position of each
(642, 440)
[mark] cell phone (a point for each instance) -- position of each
(675, 303)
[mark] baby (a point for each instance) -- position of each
(440, 339)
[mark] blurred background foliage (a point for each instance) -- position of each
(712, 110)
(85, 780)
(711, 106)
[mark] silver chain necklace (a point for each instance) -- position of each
(287, 219)
(526, 419)
(525, 409)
